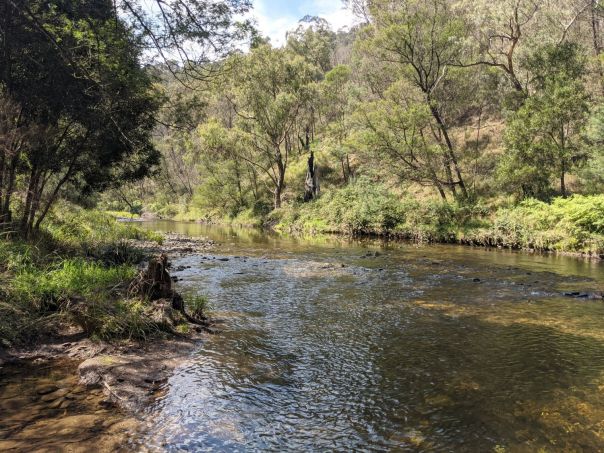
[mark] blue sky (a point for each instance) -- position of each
(275, 17)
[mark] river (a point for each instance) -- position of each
(330, 344)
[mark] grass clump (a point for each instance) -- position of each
(76, 270)
(198, 305)
(67, 279)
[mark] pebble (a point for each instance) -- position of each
(54, 395)
(57, 403)
(45, 389)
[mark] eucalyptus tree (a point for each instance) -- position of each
(313, 40)
(544, 137)
(336, 106)
(395, 133)
(498, 32)
(422, 41)
(271, 87)
(228, 183)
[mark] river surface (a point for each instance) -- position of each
(336, 345)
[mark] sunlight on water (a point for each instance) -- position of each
(330, 347)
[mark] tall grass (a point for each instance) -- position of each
(76, 269)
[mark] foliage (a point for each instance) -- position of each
(422, 122)
(574, 224)
(85, 103)
(543, 138)
(76, 269)
(365, 207)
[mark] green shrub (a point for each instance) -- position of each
(574, 224)
(366, 207)
(360, 207)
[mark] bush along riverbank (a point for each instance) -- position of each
(572, 225)
(91, 288)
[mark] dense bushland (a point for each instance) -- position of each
(433, 121)
(572, 224)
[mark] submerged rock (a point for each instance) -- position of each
(584, 295)
(45, 389)
(54, 395)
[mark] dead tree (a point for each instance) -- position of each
(311, 184)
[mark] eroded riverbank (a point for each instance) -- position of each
(90, 390)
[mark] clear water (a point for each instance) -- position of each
(432, 348)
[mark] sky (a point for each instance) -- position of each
(275, 17)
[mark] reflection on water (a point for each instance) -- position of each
(330, 347)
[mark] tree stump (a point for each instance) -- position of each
(155, 282)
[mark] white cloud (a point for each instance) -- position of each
(276, 27)
(334, 12)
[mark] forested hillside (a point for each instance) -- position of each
(427, 119)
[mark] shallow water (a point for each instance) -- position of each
(440, 348)
(337, 345)
(44, 409)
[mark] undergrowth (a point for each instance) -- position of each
(574, 224)
(76, 269)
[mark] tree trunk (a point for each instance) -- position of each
(32, 189)
(595, 30)
(439, 186)
(349, 172)
(2, 170)
(54, 194)
(35, 206)
(311, 185)
(344, 173)
(5, 211)
(562, 181)
(280, 184)
(450, 183)
(277, 193)
(450, 151)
